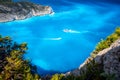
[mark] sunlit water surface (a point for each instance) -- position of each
(62, 41)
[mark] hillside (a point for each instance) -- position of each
(103, 64)
(21, 10)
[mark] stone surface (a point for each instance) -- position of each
(22, 10)
(109, 58)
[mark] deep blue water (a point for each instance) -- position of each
(61, 42)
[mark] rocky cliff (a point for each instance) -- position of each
(107, 59)
(22, 10)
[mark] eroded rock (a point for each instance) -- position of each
(22, 10)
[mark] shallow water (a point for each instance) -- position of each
(61, 42)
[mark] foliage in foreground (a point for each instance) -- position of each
(93, 70)
(14, 67)
(12, 64)
(6, 1)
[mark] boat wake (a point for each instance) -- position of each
(59, 38)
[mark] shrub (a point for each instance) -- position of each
(107, 42)
(12, 64)
(57, 77)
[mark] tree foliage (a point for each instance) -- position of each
(12, 64)
(5, 0)
(57, 77)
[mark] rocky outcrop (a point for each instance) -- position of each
(108, 58)
(22, 10)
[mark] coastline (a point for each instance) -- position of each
(22, 10)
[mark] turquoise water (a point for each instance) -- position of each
(62, 41)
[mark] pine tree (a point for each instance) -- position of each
(12, 64)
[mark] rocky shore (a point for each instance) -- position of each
(108, 59)
(22, 10)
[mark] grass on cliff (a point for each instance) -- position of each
(103, 44)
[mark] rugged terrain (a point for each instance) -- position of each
(107, 59)
(21, 10)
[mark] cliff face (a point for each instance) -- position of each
(108, 59)
(22, 10)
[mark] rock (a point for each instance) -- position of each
(22, 10)
(109, 58)
(75, 72)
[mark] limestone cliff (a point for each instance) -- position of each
(22, 10)
(108, 59)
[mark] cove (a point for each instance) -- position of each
(62, 41)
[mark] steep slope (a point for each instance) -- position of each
(110, 59)
(21, 10)
(104, 62)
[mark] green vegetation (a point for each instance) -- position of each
(14, 67)
(57, 77)
(4, 1)
(107, 42)
(93, 70)
(12, 64)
